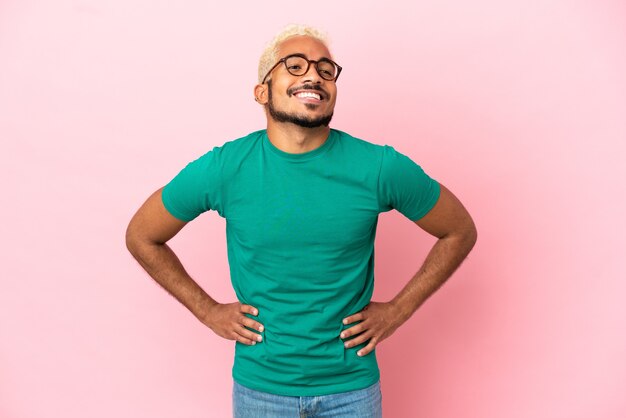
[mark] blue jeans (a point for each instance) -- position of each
(361, 403)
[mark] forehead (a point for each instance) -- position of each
(303, 44)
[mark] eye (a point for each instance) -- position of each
(294, 67)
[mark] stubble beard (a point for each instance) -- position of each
(297, 119)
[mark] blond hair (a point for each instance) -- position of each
(270, 53)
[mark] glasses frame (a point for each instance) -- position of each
(308, 65)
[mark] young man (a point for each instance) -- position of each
(301, 201)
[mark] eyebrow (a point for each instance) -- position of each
(301, 53)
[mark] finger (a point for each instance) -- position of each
(367, 349)
(238, 337)
(359, 339)
(250, 335)
(247, 337)
(251, 323)
(249, 309)
(353, 318)
(352, 330)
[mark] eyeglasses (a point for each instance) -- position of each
(298, 64)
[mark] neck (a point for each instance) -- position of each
(295, 139)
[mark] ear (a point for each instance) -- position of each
(260, 93)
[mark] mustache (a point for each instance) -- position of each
(308, 87)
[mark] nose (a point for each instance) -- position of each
(311, 75)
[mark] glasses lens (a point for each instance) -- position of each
(327, 69)
(296, 65)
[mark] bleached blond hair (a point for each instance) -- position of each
(270, 54)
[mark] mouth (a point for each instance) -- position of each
(309, 96)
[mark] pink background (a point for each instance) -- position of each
(519, 108)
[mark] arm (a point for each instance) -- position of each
(146, 237)
(451, 223)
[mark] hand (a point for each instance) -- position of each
(228, 321)
(379, 321)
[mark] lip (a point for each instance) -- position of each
(308, 100)
(321, 93)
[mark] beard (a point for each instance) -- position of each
(296, 119)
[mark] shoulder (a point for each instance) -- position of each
(359, 145)
(379, 155)
(234, 149)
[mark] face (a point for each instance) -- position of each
(283, 103)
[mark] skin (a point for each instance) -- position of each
(152, 225)
(290, 137)
(450, 222)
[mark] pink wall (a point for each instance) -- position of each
(519, 108)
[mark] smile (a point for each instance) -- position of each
(308, 94)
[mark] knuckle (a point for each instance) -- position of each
(251, 323)
(250, 309)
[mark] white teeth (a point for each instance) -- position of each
(308, 94)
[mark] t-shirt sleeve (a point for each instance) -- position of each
(195, 189)
(403, 185)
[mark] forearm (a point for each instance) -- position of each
(442, 260)
(162, 264)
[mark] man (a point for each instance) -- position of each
(301, 201)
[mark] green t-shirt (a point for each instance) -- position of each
(300, 232)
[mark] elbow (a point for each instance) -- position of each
(473, 237)
(137, 241)
(467, 234)
(465, 231)
(132, 242)
(471, 234)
